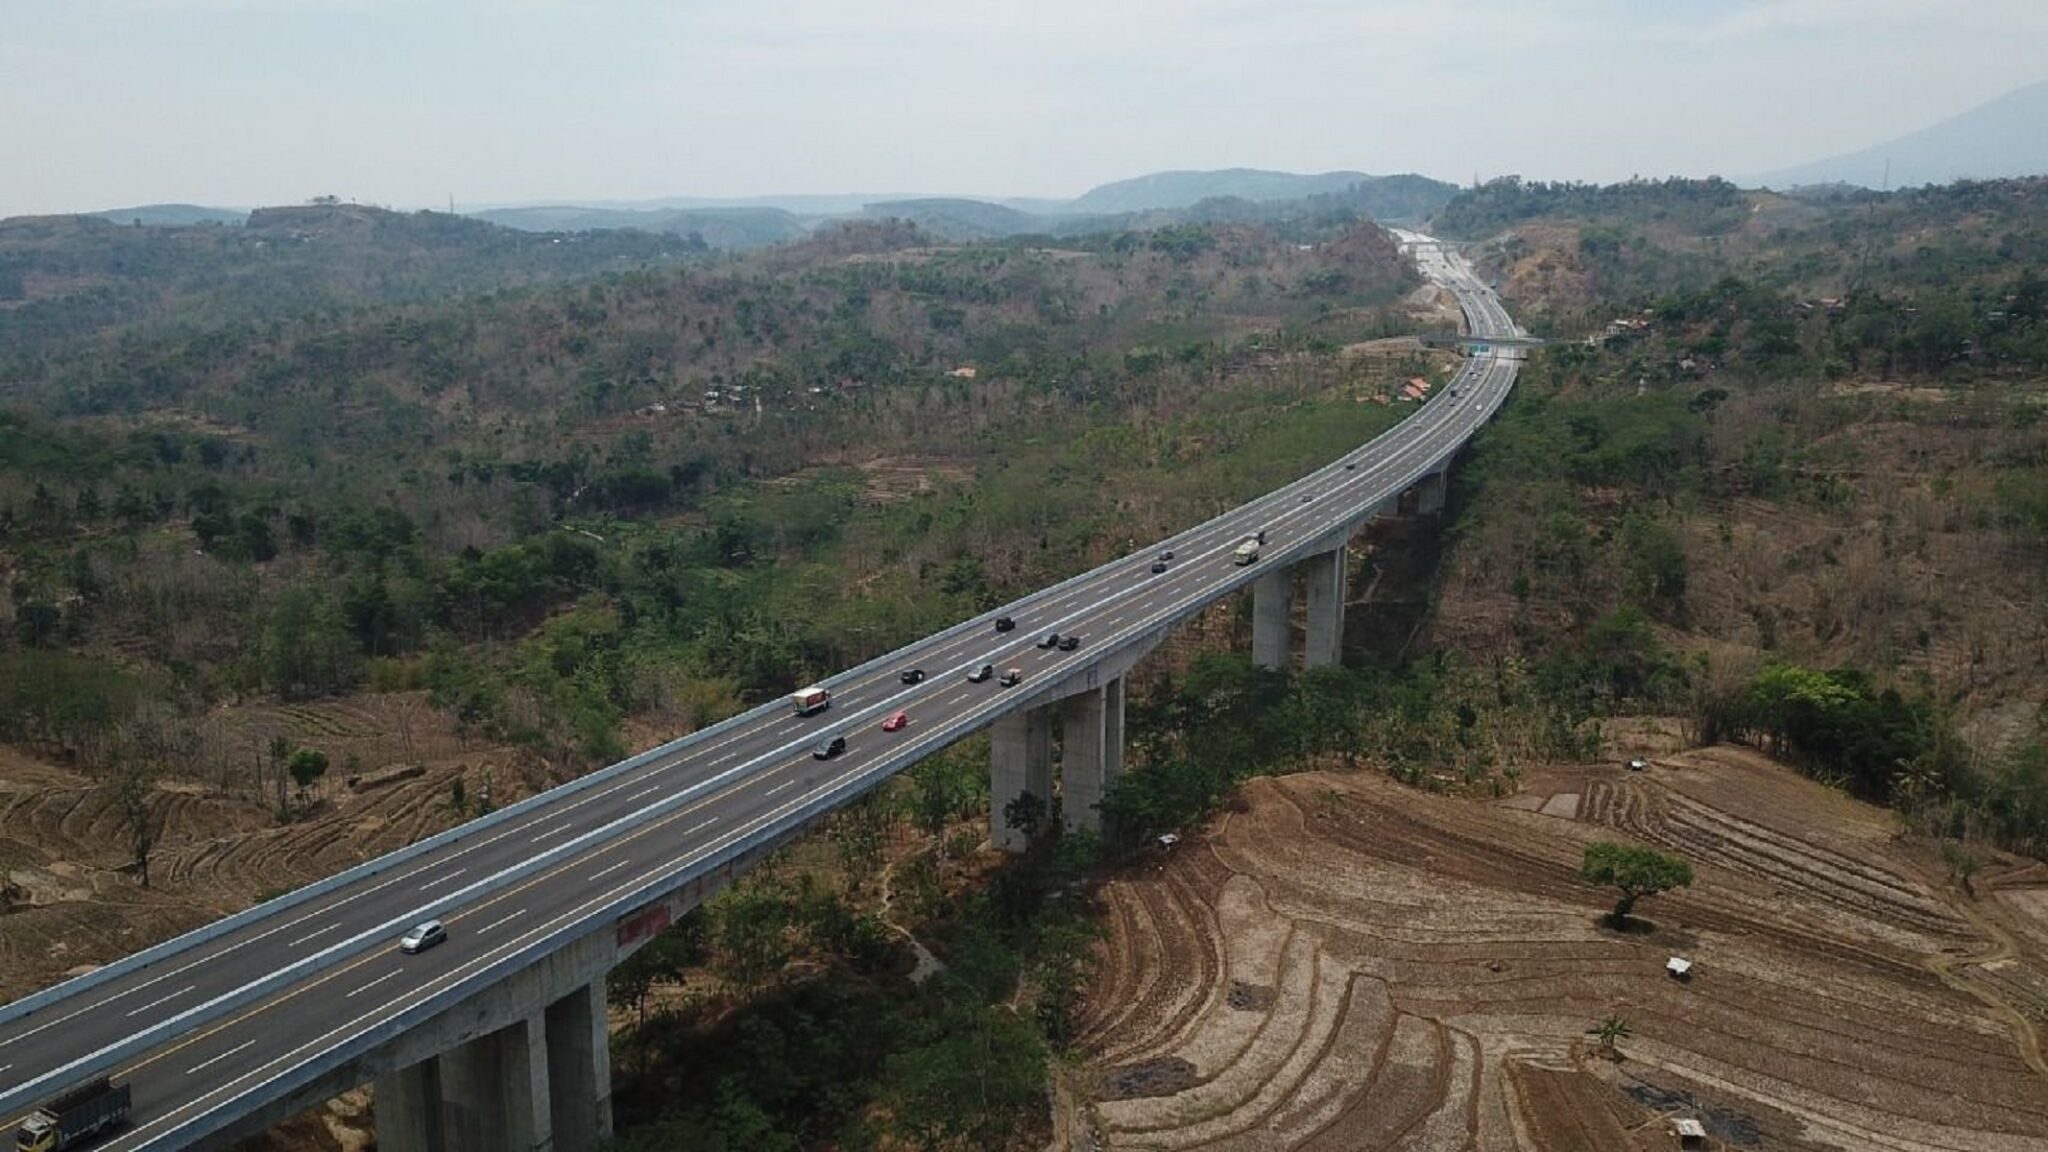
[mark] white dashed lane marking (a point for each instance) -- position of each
(205, 1064)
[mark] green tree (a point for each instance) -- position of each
(1962, 863)
(306, 766)
(1610, 1032)
(662, 960)
(860, 832)
(1635, 870)
(307, 649)
(752, 923)
(1062, 978)
(133, 784)
(978, 1068)
(1025, 813)
(36, 624)
(280, 751)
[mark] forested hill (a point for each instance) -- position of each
(274, 507)
(66, 277)
(1783, 470)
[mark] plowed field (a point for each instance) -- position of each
(1350, 964)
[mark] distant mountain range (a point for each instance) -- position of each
(1236, 196)
(1229, 194)
(1186, 189)
(2006, 137)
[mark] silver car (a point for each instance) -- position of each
(423, 937)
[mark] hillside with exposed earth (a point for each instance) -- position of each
(1340, 962)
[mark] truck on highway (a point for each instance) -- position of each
(70, 1120)
(810, 700)
(1247, 553)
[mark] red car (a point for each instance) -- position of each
(895, 722)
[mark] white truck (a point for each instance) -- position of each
(808, 701)
(1247, 553)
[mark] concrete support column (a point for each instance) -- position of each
(1020, 761)
(579, 1068)
(407, 1107)
(494, 1091)
(1272, 625)
(1429, 492)
(1325, 579)
(1091, 752)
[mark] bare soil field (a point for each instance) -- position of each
(73, 900)
(1345, 963)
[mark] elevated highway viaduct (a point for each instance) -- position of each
(496, 1039)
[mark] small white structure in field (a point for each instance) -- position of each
(1679, 967)
(1690, 1133)
(1168, 840)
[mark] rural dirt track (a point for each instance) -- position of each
(1349, 964)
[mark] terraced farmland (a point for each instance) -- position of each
(64, 840)
(1349, 964)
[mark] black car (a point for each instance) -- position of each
(1069, 642)
(827, 749)
(1158, 566)
(1307, 496)
(1052, 640)
(1011, 677)
(1004, 623)
(913, 675)
(981, 673)
(1260, 535)
(1351, 467)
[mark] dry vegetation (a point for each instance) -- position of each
(1880, 553)
(1342, 963)
(72, 897)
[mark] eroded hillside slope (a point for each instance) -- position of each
(1345, 963)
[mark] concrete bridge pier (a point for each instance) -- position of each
(408, 1108)
(1091, 753)
(579, 1056)
(1090, 705)
(1324, 574)
(1020, 764)
(1430, 490)
(1091, 759)
(541, 1083)
(494, 1091)
(1272, 620)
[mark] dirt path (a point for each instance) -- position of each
(1954, 971)
(927, 964)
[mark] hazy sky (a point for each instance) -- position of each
(107, 103)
